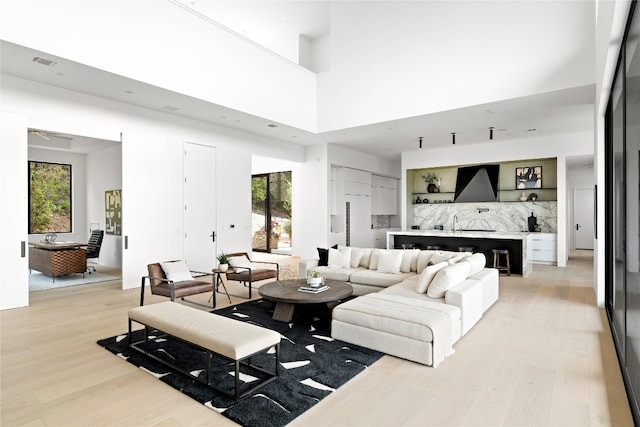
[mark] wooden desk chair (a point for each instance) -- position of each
(176, 282)
(244, 270)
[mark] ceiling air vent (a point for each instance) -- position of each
(170, 108)
(44, 61)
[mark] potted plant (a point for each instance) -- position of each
(223, 262)
(430, 178)
(314, 278)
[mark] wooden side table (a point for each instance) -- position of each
(217, 280)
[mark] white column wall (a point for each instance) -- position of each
(611, 18)
(160, 43)
(14, 280)
(560, 146)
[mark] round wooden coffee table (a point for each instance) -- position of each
(286, 295)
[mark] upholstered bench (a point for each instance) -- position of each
(413, 329)
(215, 334)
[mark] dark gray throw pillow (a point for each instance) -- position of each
(323, 254)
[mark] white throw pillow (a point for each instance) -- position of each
(356, 257)
(389, 261)
(477, 261)
(366, 258)
(427, 275)
(242, 262)
(176, 271)
(373, 262)
(440, 256)
(423, 259)
(447, 278)
(340, 258)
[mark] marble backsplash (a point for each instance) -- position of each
(487, 216)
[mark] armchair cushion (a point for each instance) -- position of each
(176, 271)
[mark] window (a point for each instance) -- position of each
(49, 198)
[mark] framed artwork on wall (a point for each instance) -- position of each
(113, 212)
(528, 177)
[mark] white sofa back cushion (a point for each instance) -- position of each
(389, 261)
(476, 262)
(340, 258)
(447, 278)
(409, 260)
(427, 275)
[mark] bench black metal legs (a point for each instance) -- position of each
(142, 346)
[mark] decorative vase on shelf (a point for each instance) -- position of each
(523, 198)
(532, 222)
(431, 188)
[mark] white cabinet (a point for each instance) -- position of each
(333, 192)
(544, 248)
(384, 195)
(357, 182)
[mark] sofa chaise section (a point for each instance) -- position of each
(418, 330)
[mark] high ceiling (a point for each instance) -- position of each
(270, 23)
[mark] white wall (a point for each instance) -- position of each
(60, 110)
(78, 195)
(560, 146)
(160, 43)
(104, 173)
(376, 74)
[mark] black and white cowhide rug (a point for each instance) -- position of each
(313, 365)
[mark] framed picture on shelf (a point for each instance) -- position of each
(529, 177)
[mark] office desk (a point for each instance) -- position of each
(58, 258)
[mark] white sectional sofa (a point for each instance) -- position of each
(413, 304)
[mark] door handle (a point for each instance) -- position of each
(213, 236)
(578, 226)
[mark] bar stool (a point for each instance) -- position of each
(466, 249)
(435, 247)
(496, 260)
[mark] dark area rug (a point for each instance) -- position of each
(313, 365)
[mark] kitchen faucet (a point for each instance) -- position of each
(455, 221)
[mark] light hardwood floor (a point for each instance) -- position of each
(542, 355)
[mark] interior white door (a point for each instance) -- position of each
(583, 218)
(152, 205)
(14, 280)
(200, 206)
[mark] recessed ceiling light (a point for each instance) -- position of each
(295, 136)
(390, 128)
(130, 92)
(271, 125)
(170, 108)
(531, 130)
(223, 117)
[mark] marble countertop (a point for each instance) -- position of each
(466, 233)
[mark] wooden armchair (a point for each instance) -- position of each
(161, 283)
(245, 271)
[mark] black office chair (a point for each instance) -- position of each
(93, 247)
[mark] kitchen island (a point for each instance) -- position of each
(483, 241)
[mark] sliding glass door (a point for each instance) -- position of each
(623, 211)
(271, 212)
